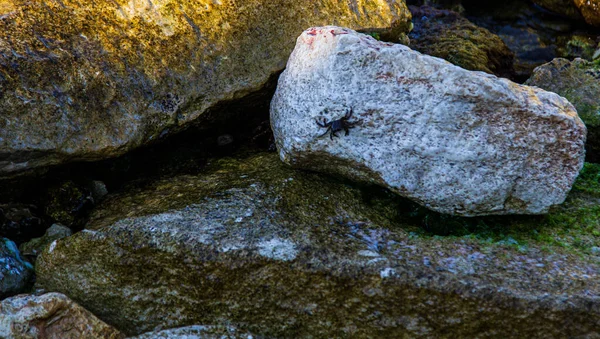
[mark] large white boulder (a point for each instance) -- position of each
(458, 142)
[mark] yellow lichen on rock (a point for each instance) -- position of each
(113, 75)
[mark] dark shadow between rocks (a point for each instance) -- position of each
(220, 131)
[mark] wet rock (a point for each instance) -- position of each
(52, 316)
(15, 273)
(458, 142)
(447, 35)
(196, 332)
(579, 82)
(83, 81)
(19, 222)
(33, 247)
(251, 243)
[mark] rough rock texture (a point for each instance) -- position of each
(84, 81)
(50, 316)
(281, 253)
(196, 332)
(35, 246)
(447, 35)
(563, 7)
(579, 82)
(525, 28)
(15, 272)
(458, 142)
(588, 10)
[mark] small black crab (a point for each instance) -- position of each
(338, 125)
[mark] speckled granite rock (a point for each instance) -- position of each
(86, 81)
(50, 316)
(281, 253)
(196, 332)
(579, 82)
(448, 35)
(15, 272)
(458, 142)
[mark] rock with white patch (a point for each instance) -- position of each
(315, 258)
(196, 332)
(458, 142)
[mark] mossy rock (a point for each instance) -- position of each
(93, 80)
(579, 82)
(447, 35)
(284, 253)
(566, 8)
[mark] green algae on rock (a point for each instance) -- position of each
(284, 253)
(577, 81)
(87, 81)
(447, 35)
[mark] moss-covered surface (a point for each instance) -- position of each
(578, 81)
(286, 253)
(85, 81)
(573, 227)
(576, 46)
(447, 35)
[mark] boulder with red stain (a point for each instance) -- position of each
(456, 141)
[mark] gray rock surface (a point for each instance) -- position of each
(90, 80)
(254, 244)
(50, 316)
(196, 332)
(34, 246)
(458, 142)
(15, 272)
(579, 82)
